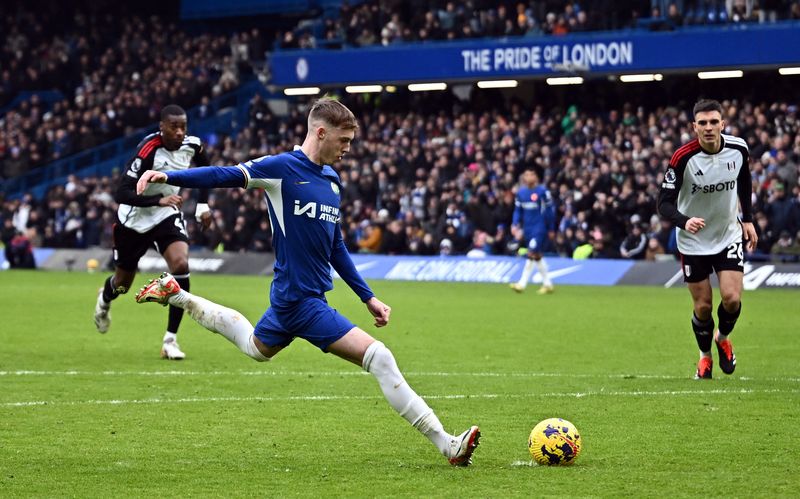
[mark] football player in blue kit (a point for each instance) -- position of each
(302, 193)
(534, 223)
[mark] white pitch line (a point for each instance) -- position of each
(314, 398)
(363, 373)
(528, 464)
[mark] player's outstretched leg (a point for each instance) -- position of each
(212, 316)
(379, 361)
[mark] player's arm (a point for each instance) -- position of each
(255, 173)
(744, 189)
(344, 266)
(126, 189)
(668, 196)
(203, 177)
(516, 219)
(549, 214)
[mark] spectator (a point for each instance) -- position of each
(654, 250)
(633, 246)
(445, 247)
(787, 248)
(372, 239)
(781, 211)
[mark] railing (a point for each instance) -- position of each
(226, 114)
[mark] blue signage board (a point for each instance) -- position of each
(605, 53)
(497, 269)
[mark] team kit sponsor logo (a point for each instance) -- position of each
(326, 213)
(711, 188)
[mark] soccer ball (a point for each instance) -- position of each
(91, 265)
(554, 441)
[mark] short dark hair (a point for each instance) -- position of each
(538, 170)
(172, 110)
(332, 112)
(705, 105)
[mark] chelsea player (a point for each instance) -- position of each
(534, 223)
(302, 193)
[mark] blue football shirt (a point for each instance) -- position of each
(533, 211)
(304, 202)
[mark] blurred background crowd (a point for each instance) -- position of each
(427, 174)
(394, 21)
(415, 179)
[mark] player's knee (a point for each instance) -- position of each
(702, 308)
(731, 299)
(179, 266)
(259, 358)
(378, 358)
(252, 350)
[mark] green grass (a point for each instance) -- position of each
(89, 415)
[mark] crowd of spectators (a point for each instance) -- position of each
(113, 72)
(389, 22)
(442, 181)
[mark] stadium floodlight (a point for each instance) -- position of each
(424, 87)
(565, 80)
(711, 75)
(640, 78)
(789, 71)
(301, 91)
(498, 84)
(362, 89)
(391, 89)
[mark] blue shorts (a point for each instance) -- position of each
(311, 319)
(536, 242)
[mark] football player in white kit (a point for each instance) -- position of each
(155, 219)
(707, 180)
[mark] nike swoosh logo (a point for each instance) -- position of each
(301, 183)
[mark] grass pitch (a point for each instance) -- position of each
(90, 415)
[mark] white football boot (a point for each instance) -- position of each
(102, 315)
(462, 447)
(170, 350)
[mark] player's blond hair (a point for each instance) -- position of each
(332, 112)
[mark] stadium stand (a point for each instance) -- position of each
(386, 23)
(106, 75)
(427, 173)
(414, 179)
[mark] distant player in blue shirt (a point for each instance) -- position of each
(302, 194)
(533, 223)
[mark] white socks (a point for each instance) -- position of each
(380, 362)
(543, 270)
(527, 272)
(216, 318)
(170, 337)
